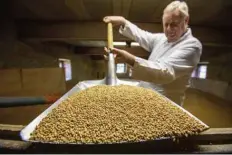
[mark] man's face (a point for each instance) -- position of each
(174, 26)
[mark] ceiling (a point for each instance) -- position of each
(202, 12)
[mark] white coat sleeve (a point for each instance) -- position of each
(146, 39)
(182, 61)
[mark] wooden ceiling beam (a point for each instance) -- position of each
(117, 6)
(52, 31)
(78, 8)
(126, 7)
(44, 9)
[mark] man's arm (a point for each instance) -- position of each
(179, 63)
(144, 38)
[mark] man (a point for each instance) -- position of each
(174, 53)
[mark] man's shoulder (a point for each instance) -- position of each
(192, 41)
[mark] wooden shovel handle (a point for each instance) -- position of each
(110, 35)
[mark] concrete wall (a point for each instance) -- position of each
(82, 66)
(17, 54)
(24, 56)
(219, 77)
(32, 82)
(220, 67)
(7, 39)
(99, 71)
(218, 88)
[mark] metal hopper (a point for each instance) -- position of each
(110, 79)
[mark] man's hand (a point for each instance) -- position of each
(129, 58)
(106, 53)
(115, 20)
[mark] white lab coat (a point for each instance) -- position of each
(169, 66)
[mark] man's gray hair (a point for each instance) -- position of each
(180, 5)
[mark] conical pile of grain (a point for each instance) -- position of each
(115, 114)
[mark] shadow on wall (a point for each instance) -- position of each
(212, 110)
(32, 82)
(218, 88)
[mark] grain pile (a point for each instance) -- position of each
(114, 114)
